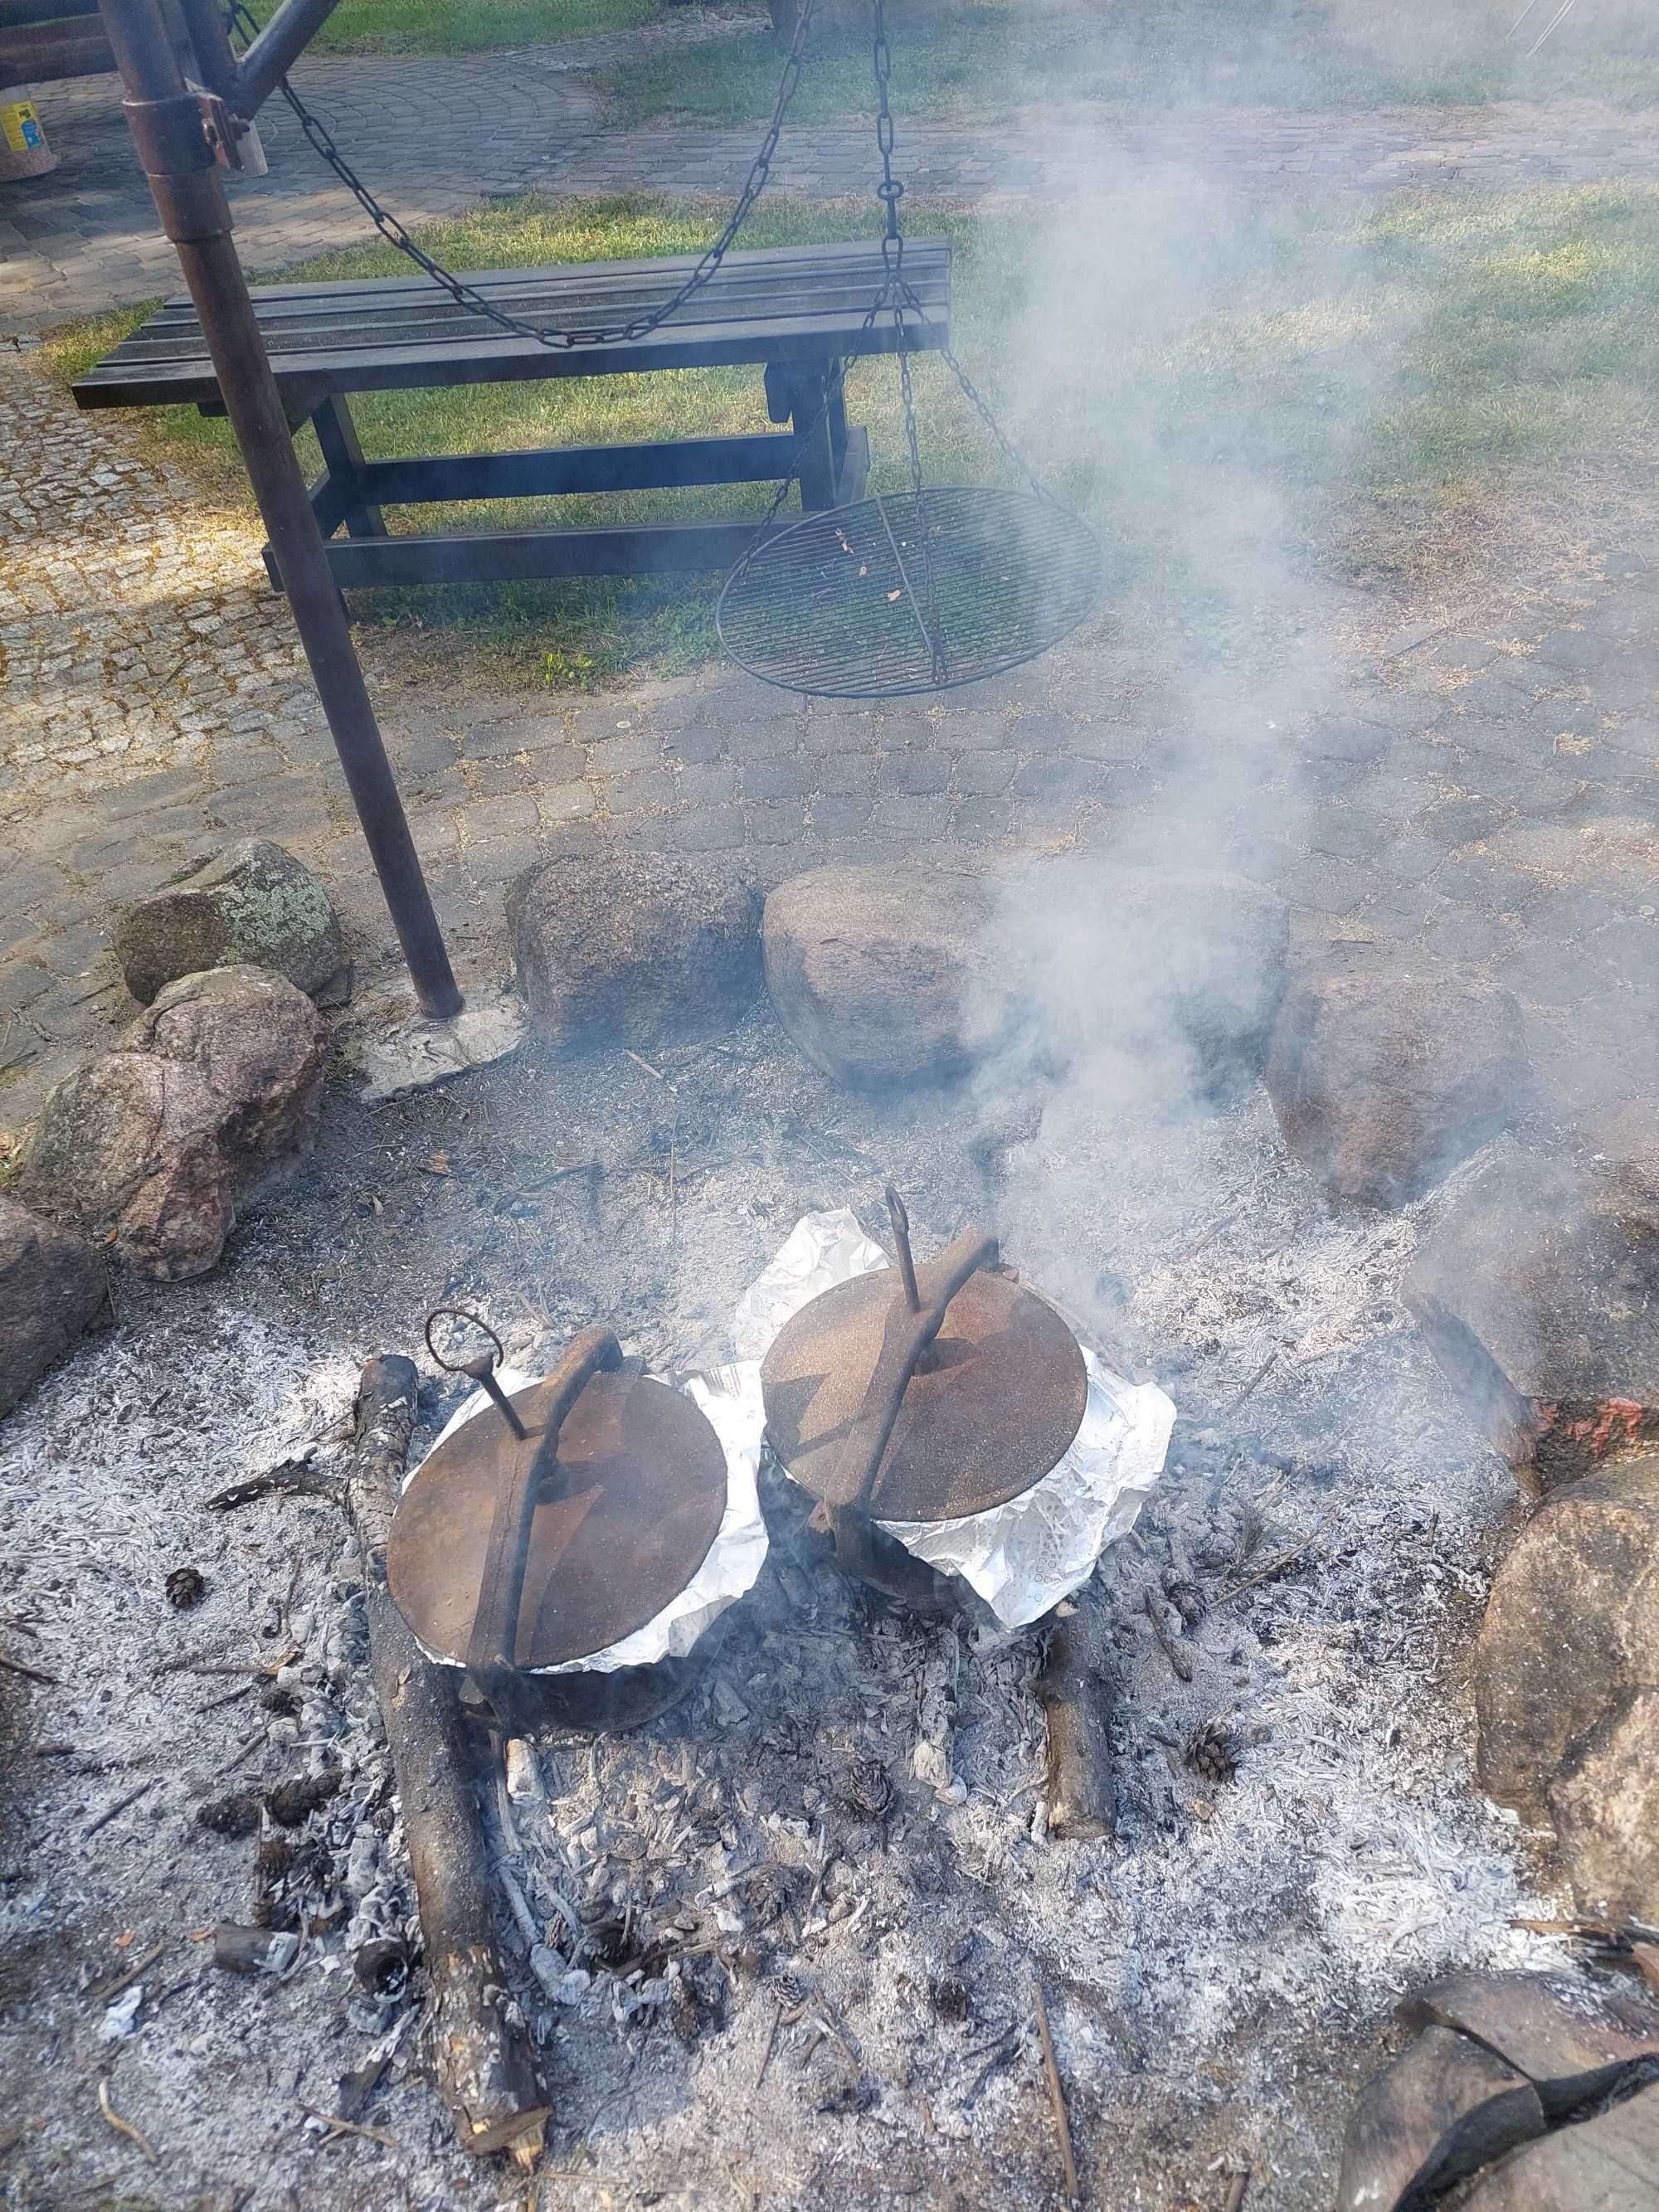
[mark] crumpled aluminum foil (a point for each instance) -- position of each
(1023, 1556)
(732, 1562)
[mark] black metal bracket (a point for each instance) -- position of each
(170, 135)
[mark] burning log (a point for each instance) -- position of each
(1082, 1795)
(485, 2072)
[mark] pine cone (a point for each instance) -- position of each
(186, 1588)
(1212, 1751)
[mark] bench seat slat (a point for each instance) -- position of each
(772, 304)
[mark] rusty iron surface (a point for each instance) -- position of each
(641, 1494)
(993, 1404)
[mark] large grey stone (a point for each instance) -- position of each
(152, 1146)
(1570, 2038)
(1383, 1077)
(1566, 1679)
(53, 1286)
(253, 905)
(1538, 1291)
(1605, 1805)
(633, 947)
(1606, 2164)
(874, 971)
(1445, 2108)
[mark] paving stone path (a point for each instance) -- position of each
(431, 134)
(1488, 791)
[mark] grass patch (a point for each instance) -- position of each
(1300, 379)
(445, 27)
(999, 56)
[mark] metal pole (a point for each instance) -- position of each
(168, 130)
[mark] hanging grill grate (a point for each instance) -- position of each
(911, 591)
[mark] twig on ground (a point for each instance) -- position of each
(333, 2125)
(125, 2127)
(1056, 2094)
(242, 1690)
(1172, 1651)
(771, 2040)
(1241, 2182)
(28, 1674)
(238, 1754)
(1277, 1566)
(112, 1990)
(1258, 1378)
(649, 1070)
(290, 1478)
(119, 1806)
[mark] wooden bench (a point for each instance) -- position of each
(797, 311)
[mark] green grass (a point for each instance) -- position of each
(991, 59)
(446, 27)
(1401, 362)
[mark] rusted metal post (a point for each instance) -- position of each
(171, 133)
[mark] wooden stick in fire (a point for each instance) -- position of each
(484, 2070)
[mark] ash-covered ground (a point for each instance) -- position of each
(797, 1923)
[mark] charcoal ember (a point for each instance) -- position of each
(1187, 1600)
(1384, 1078)
(866, 1789)
(769, 1893)
(860, 2093)
(1211, 1750)
(699, 1996)
(186, 1588)
(1536, 1294)
(277, 1698)
(950, 1999)
(235, 1814)
(292, 1802)
(381, 1964)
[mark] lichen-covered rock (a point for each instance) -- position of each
(875, 971)
(152, 1146)
(253, 905)
(1384, 1078)
(53, 1286)
(633, 948)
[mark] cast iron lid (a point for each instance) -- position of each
(619, 1527)
(992, 1404)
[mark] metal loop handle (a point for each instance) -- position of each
(461, 1313)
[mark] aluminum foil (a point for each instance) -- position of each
(731, 1403)
(1023, 1556)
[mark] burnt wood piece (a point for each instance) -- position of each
(798, 311)
(484, 2070)
(1076, 1695)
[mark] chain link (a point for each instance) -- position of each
(468, 296)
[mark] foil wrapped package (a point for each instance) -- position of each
(732, 1562)
(1023, 1556)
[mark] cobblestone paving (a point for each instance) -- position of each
(431, 134)
(1488, 793)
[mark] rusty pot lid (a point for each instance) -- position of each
(993, 1404)
(640, 1498)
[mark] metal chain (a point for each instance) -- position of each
(468, 296)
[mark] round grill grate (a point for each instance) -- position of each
(910, 592)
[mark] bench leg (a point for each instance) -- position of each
(343, 456)
(799, 395)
